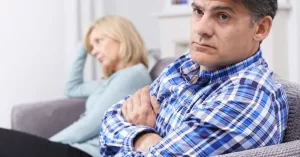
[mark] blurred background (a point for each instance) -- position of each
(38, 40)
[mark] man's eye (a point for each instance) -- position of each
(197, 11)
(223, 17)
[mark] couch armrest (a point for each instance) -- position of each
(290, 149)
(44, 119)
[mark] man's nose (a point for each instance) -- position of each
(204, 26)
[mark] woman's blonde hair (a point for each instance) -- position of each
(132, 49)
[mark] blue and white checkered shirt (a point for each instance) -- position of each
(205, 113)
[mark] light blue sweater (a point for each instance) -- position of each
(83, 134)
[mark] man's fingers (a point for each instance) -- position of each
(146, 107)
(138, 109)
(136, 105)
(124, 109)
(155, 104)
(145, 97)
(129, 105)
(136, 99)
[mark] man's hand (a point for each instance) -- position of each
(141, 109)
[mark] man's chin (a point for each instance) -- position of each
(197, 59)
(202, 59)
(198, 56)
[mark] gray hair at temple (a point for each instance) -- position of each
(260, 8)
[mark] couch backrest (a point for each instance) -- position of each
(159, 66)
(293, 94)
(293, 126)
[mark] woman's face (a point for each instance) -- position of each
(105, 49)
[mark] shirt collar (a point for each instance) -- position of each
(191, 70)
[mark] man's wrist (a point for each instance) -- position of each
(146, 140)
(134, 132)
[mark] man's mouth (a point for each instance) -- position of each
(203, 45)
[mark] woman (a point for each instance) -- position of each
(115, 43)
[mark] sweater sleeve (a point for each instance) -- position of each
(76, 87)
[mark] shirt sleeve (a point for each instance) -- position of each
(225, 123)
(116, 132)
(76, 87)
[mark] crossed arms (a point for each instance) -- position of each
(218, 126)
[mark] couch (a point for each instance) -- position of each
(44, 119)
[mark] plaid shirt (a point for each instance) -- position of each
(205, 113)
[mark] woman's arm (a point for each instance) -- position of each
(76, 87)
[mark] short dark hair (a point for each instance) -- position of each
(260, 8)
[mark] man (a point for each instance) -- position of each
(232, 104)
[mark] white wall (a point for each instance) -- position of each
(32, 56)
(140, 12)
(294, 41)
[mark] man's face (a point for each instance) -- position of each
(221, 33)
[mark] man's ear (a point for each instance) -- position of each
(263, 28)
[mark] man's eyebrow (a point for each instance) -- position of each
(194, 5)
(216, 8)
(223, 8)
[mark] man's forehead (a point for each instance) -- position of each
(212, 4)
(207, 3)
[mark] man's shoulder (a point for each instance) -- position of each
(255, 83)
(259, 77)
